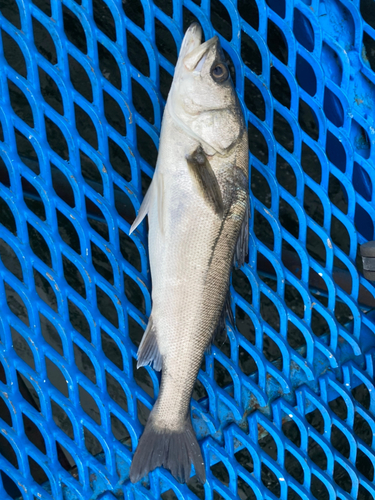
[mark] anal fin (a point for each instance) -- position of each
(148, 351)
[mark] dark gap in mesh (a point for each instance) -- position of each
(291, 259)
(362, 181)
(221, 20)
(66, 460)
(84, 363)
(254, 100)
(62, 186)
(245, 325)
(20, 104)
(16, 304)
(331, 64)
(342, 477)
(363, 222)
(142, 412)
(241, 284)
(92, 443)
(283, 131)
(10, 11)
(293, 467)
(134, 294)
(113, 113)
(166, 6)
(22, 348)
(145, 180)
(313, 206)
(27, 152)
(222, 341)
(50, 91)
(317, 454)
(318, 488)
(61, 419)
(56, 377)
(111, 349)
(263, 229)
(364, 494)
(4, 410)
(279, 87)
(188, 18)
(319, 324)
(135, 331)
(335, 151)
(364, 465)
(257, 143)
(10, 486)
(10, 259)
(321, 298)
(310, 163)
(295, 337)
(134, 11)
(3, 377)
(50, 334)
(85, 126)
(333, 108)
(120, 431)
(271, 350)
(245, 459)
(101, 263)
(248, 10)
(315, 246)
(305, 76)
(217, 496)
(90, 172)
(165, 82)
(270, 480)
(361, 142)
(43, 42)
(137, 54)
(169, 495)
(108, 66)
(30, 193)
(220, 472)
(278, 6)
(45, 290)
(308, 120)
(68, 232)
(367, 12)
(143, 379)
(28, 392)
(267, 444)
(33, 433)
(276, 42)
(56, 139)
(362, 395)
(339, 441)
(199, 391)
(362, 429)
(130, 251)
(89, 405)
(100, 226)
(142, 102)
(285, 175)
(106, 307)
(165, 42)
(38, 474)
(264, 269)
(80, 79)
(146, 147)
(340, 235)
(39, 245)
(119, 160)
(369, 52)
(244, 491)
(123, 204)
(79, 321)
(116, 392)
(288, 218)
(315, 419)
(4, 174)
(303, 31)
(221, 375)
(13, 54)
(292, 432)
(250, 54)
(7, 451)
(104, 19)
(74, 30)
(44, 6)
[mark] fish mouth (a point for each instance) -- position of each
(192, 49)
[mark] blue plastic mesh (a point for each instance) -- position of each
(285, 407)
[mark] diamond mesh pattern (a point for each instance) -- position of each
(285, 406)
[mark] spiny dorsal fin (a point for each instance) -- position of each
(148, 351)
(205, 180)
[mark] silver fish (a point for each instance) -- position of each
(198, 210)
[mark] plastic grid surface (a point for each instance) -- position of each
(301, 399)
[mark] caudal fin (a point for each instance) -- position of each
(173, 450)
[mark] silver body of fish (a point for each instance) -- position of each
(197, 207)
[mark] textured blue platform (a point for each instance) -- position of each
(286, 406)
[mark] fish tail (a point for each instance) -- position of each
(173, 450)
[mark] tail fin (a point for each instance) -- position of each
(174, 450)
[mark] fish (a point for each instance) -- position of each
(198, 219)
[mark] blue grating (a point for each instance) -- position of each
(285, 407)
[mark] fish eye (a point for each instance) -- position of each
(219, 73)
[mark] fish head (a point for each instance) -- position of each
(202, 96)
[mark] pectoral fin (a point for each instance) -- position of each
(205, 180)
(145, 206)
